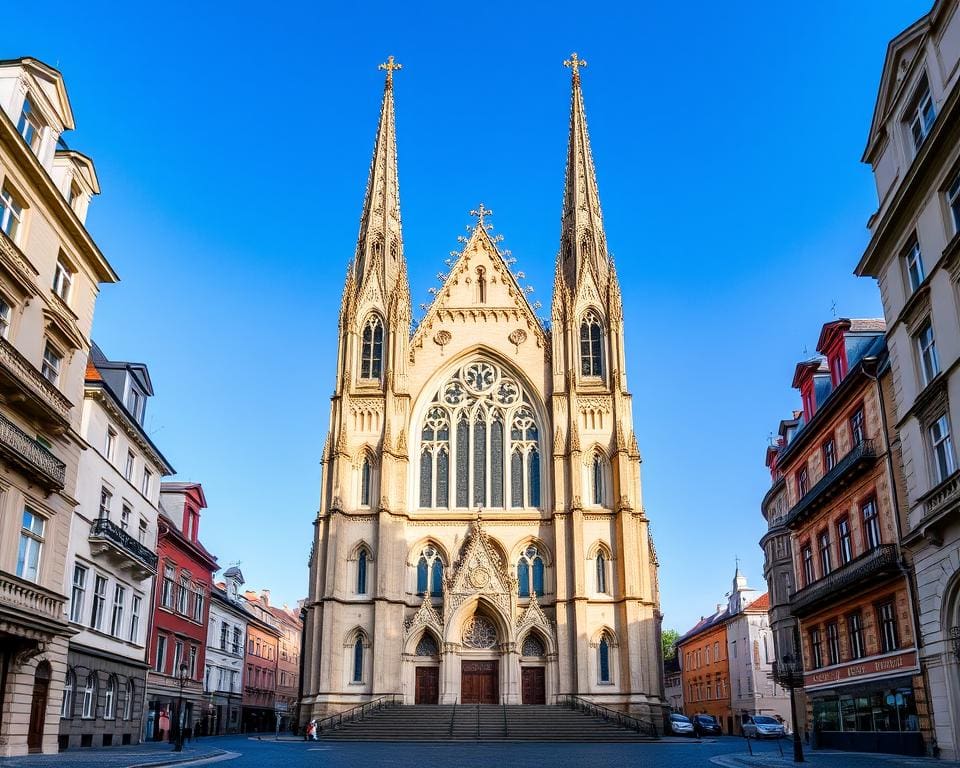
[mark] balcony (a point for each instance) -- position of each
(938, 506)
(109, 540)
(855, 576)
(846, 470)
(21, 449)
(28, 610)
(33, 393)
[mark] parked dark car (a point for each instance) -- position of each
(706, 725)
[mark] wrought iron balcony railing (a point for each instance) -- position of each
(29, 455)
(48, 401)
(113, 538)
(876, 564)
(859, 457)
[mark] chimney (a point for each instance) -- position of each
(265, 596)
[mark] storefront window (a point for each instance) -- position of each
(888, 709)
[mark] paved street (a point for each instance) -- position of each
(244, 752)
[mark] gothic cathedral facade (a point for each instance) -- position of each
(481, 536)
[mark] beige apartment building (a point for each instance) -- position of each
(50, 272)
(481, 536)
(914, 254)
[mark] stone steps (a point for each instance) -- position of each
(481, 722)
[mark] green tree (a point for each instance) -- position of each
(668, 639)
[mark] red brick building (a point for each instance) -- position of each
(181, 608)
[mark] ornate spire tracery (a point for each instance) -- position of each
(378, 265)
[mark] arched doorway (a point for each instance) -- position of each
(480, 666)
(427, 670)
(38, 707)
(533, 670)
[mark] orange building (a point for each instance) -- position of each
(705, 670)
(861, 673)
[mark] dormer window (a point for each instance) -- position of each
(837, 368)
(63, 280)
(135, 403)
(73, 192)
(807, 397)
(30, 126)
(921, 115)
(913, 263)
(11, 213)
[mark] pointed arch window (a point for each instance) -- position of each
(371, 356)
(110, 699)
(66, 705)
(362, 572)
(591, 345)
(601, 565)
(603, 659)
(530, 572)
(366, 479)
(89, 697)
(480, 443)
(597, 476)
(128, 700)
(430, 572)
(427, 645)
(358, 659)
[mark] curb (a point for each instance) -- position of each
(220, 753)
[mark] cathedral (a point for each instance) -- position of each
(481, 536)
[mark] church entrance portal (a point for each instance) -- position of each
(479, 682)
(428, 685)
(533, 685)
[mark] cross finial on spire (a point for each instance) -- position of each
(390, 65)
(480, 212)
(575, 62)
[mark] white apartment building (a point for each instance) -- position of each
(750, 651)
(914, 253)
(111, 559)
(226, 641)
(50, 275)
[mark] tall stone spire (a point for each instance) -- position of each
(583, 244)
(378, 264)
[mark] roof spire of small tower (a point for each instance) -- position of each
(379, 252)
(583, 242)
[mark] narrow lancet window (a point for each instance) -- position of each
(371, 358)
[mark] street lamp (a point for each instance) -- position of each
(178, 745)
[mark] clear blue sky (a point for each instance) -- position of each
(232, 147)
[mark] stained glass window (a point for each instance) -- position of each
(598, 481)
(463, 469)
(496, 462)
(358, 659)
(523, 577)
(479, 632)
(371, 358)
(427, 646)
(591, 345)
(430, 572)
(516, 479)
(603, 652)
(486, 405)
(426, 478)
(530, 564)
(601, 572)
(362, 572)
(532, 646)
(365, 482)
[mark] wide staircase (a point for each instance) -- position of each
(483, 722)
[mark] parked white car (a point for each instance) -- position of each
(763, 727)
(680, 725)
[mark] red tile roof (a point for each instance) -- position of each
(762, 603)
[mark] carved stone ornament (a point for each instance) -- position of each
(426, 616)
(517, 337)
(479, 632)
(442, 338)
